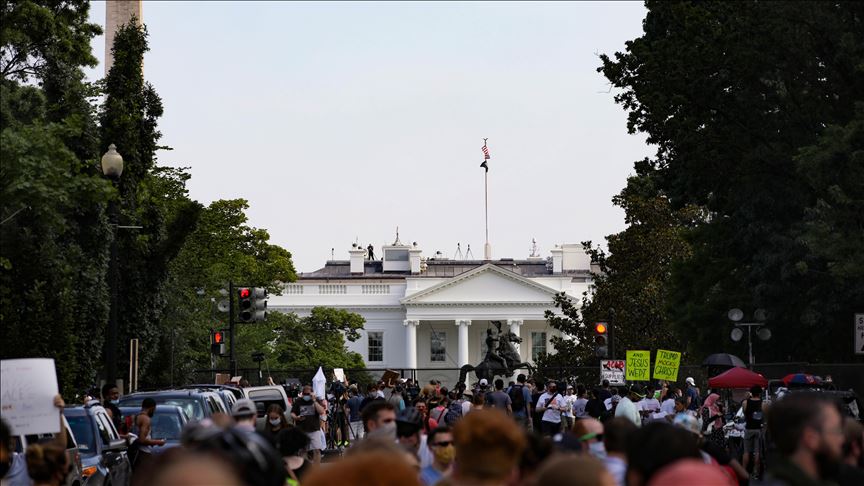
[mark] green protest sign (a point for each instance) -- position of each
(666, 365)
(638, 366)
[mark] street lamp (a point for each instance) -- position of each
(736, 315)
(112, 167)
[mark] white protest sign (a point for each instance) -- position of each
(859, 333)
(612, 370)
(27, 391)
(339, 374)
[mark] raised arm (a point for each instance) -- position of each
(60, 439)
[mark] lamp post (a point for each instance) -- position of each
(736, 315)
(112, 168)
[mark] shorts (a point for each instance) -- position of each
(316, 440)
(752, 441)
(357, 430)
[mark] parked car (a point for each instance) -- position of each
(264, 396)
(197, 404)
(167, 423)
(229, 394)
(74, 478)
(103, 452)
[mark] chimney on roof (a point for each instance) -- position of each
(414, 259)
(358, 257)
(569, 257)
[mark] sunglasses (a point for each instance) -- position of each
(442, 443)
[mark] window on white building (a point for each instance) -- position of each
(439, 345)
(376, 346)
(538, 344)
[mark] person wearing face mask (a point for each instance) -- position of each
(142, 425)
(440, 443)
(589, 433)
(276, 423)
(306, 413)
(110, 400)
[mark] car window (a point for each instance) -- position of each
(106, 423)
(192, 406)
(103, 430)
(166, 425)
(83, 431)
(265, 395)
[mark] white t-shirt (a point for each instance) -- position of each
(550, 414)
(627, 409)
(568, 400)
(466, 407)
(650, 404)
(579, 407)
(668, 406)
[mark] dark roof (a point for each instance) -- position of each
(341, 269)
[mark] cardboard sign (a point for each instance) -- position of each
(27, 391)
(612, 370)
(666, 365)
(638, 366)
(390, 378)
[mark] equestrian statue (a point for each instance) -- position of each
(502, 358)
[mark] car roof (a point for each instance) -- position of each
(164, 393)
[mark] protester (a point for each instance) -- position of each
(408, 429)
(478, 402)
(437, 411)
(649, 406)
(667, 405)
(276, 423)
(425, 418)
(567, 412)
(352, 410)
(372, 468)
(244, 413)
(580, 402)
(851, 472)
(520, 401)
(753, 417)
(712, 420)
(629, 406)
(604, 392)
(293, 445)
(379, 419)
(594, 407)
(498, 399)
(654, 446)
(807, 431)
(13, 465)
(692, 394)
(537, 450)
(47, 464)
(616, 433)
(440, 443)
(145, 443)
(711, 453)
(573, 470)
(396, 398)
(589, 437)
(550, 404)
(306, 414)
(110, 400)
(180, 466)
(488, 447)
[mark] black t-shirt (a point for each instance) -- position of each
(753, 414)
(116, 416)
(302, 408)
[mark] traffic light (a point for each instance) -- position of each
(217, 342)
(601, 339)
(252, 304)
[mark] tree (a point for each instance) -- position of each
(629, 288)
(731, 94)
(150, 197)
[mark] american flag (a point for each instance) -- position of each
(485, 152)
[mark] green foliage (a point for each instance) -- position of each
(751, 106)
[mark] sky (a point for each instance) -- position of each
(340, 121)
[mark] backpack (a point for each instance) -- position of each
(454, 412)
(517, 399)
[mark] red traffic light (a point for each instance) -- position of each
(600, 328)
(218, 337)
(244, 293)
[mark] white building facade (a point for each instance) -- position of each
(431, 315)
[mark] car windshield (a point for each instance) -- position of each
(83, 432)
(190, 405)
(165, 425)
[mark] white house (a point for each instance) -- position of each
(431, 314)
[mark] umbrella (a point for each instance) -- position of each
(723, 359)
(801, 379)
(740, 378)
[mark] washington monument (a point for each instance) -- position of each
(118, 13)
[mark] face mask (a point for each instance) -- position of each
(307, 398)
(445, 455)
(597, 449)
(386, 431)
(115, 402)
(275, 421)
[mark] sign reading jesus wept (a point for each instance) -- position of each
(638, 367)
(666, 365)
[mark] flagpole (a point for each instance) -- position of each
(487, 248)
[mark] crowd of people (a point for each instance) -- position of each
(524, 433)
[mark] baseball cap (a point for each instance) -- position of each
(483, 382)
(690, 381)
(243, 408)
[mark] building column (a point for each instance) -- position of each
(463, 340)
(515, 327)
(411, 342)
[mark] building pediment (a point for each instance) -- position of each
(484, 285)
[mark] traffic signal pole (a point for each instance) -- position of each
(231, 357)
